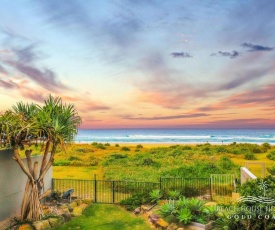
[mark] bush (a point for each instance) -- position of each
(125, 149)
(71, 158)
(139, 146)
(226, 163)
(186, 147)
(249, 156)
(136, 200)
(116, 145)
(107, 144)
(93, 161)
(271, 155)
(266, 146)
(118, 156)
(80, 150)
(61, 163)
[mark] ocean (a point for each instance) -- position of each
(184, 136)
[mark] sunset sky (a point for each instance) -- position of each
(143, 63)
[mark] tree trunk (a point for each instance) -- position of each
(31, 206)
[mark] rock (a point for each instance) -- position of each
(137, 211)
(79, 209)
(66, 210)
(25, 227)
(87, 201)
(63, 206)
(172, 226)
(67, 217)
(78, 201)
(162, 223)
(42, 225)
(54, 222)
(153, 218)
(73, 204)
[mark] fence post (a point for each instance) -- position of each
(113, 188)
(95, 188)
(52, 183)
(210, 183)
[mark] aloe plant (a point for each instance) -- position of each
(168, 208)
(155, 195)
(181, 203)
(173, 194)
(185, 216)
(195, 205)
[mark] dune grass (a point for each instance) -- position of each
(106, 217)
(150, 161)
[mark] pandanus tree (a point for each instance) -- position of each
(51, 125)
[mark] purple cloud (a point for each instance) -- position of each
(254, 48)
(181, 55)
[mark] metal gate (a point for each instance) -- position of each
(222, 186)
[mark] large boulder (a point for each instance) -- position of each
(42, 225)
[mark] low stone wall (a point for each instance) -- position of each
(12, 184)
(246, 175)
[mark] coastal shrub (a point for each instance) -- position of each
(80, 150)
(77, 163)
(118, 156)
(107, 144)
(176, 152)
(139, 146)
(61, 163)
(93, 161)
(125, 148)
(136, 200)
(186, 147)
(271, 170)
(71, 158)
(100, 146)
(249, 156)
(226, 163)
(149, 162)
(271, 155)
(116, 145)
(94, 144)
(221, 149)
(266, 146)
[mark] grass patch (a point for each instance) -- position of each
(106, 217)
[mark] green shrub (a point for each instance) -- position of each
(93, 161)
(271, 155)
(61, 163)
(221, 149)
(186, 147)
(139, 146)
(271, 170)
(249, 156)
(118, 156)
(136, 200)
(116, 145)
(226, 163)
(100, 146)
(266, 146)
(71, 158)
(107, 144)
(80, 150)
(94, 144)
(125, 148)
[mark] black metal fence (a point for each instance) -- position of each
(103, 191)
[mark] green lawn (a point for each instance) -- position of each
(106, 217)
